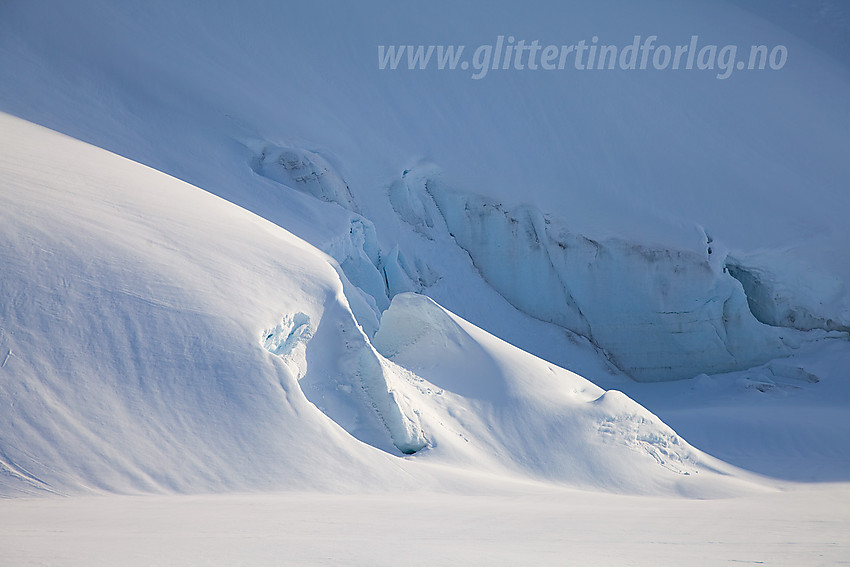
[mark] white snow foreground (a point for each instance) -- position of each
(135, 311)
(486, 526)
(132, 310)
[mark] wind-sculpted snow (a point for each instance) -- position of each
(159, 339)
(486, 403)
(353, 242)
(626, 424)
(758, 158)
(377, 275)
(659, 314)
(132, 305)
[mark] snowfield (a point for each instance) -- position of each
(142, 357)
(504, 525)
(264, 303)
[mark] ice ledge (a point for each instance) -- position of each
(659, 314)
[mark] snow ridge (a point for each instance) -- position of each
(484, 402)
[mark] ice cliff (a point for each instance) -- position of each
(659, 314)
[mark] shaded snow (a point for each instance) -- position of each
(484, 401)
(164, 340)
(134, 305)
(307, 172)
(590, 219)
(649, 158)
(659, 314)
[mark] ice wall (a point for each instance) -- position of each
(802, 300)
(306, 171)
(659, 314)
(339, 371)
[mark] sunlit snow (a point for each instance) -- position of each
(264, 302)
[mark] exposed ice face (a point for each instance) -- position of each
(352, 242)
(288, 339)
(356, 250)
(659, 314)
(800, 300)
(306, 171)
(343, 376)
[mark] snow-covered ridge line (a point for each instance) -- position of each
(131, 302)
(166, 340)
(482, 401)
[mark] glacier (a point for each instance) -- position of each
(262, 302)
(656, 314)
(659, 314)
(163, 340)
(629, 170)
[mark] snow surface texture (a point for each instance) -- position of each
(154, 338)
(306, 171)
(138, 359)
(486, 525)
(132, 311)
(620, 159)
(353, 385)
(527, 412)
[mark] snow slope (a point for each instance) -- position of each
(133, 310)
(312, 276)
(158, 338)
(526, 413)
(661, 160)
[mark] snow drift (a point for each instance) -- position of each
(158, 338)
(236, 101)
(488, 402)
(132, 310)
